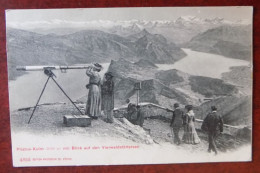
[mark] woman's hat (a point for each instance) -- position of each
(98, 66)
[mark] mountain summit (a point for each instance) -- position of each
(230, 41)
(83, 47)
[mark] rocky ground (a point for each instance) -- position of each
(161, 133)
(48, 119)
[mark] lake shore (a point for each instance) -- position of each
(25, 90)
(204, 64)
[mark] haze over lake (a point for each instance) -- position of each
(25, 90)
(204, 64)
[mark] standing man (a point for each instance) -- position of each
(107, 92)
(93, 107)
(213, 124)
(177, 122)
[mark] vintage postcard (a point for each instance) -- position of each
(113, 86)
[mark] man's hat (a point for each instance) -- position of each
(189, 107)
(109, 74)
(176, 105)
(98, 66)
(213, 108)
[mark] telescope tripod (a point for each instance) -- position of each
(50, 74)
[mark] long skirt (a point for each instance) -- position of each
(93, 107)
(190, 135)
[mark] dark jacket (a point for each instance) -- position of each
(212, 123)
(107, 94)
(131, 112)
(140, 117)
(177, 118)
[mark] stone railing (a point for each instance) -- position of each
(155, 110)
(227, 129)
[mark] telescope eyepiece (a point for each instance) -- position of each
(21, 68)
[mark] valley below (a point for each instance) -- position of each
(191, 72)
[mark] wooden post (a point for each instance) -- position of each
(137, 97)
(137, 87)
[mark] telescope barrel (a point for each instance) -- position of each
(40, 68)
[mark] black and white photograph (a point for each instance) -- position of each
(124, 86)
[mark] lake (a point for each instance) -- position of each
(204, 64)
(25, 90)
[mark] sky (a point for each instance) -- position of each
(28, 17)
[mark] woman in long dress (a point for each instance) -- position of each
(93, 107)
(190, 135)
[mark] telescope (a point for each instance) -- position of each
(52, 67)
(48, 71)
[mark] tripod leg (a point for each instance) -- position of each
(67, 95)
(39, 99)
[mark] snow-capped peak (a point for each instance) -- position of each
(190, 19)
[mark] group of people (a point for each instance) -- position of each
(101, 94)
(185, 120)
(212, 124)
(101, 97)
(134, 114)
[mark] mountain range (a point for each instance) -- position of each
(178, 30)
(133, 39)
(134, 57)
(229, 41)
(29, 48)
